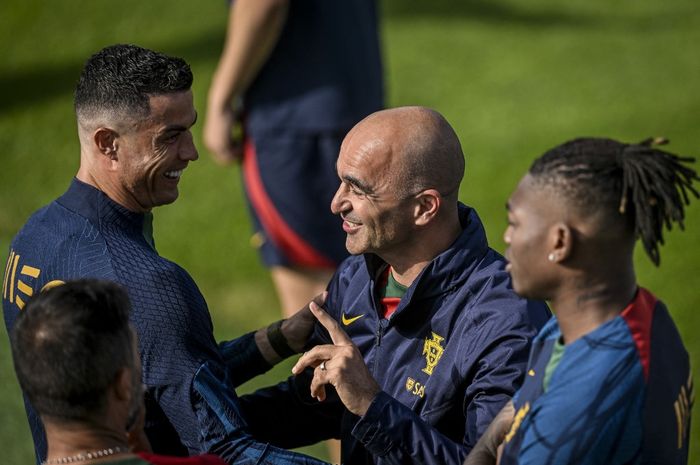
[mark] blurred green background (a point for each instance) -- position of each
(513, 77)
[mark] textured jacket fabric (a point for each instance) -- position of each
(191, 405)
(448, 359)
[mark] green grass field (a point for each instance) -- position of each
(514, 78)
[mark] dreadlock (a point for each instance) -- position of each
(647, 186)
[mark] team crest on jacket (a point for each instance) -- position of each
(432, 351)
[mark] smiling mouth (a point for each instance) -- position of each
(350, 222)
(174, 174)
(349, 226)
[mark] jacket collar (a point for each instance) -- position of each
(93, 204)
(448, 270)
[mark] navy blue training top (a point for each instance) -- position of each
(191, 405)
(325, 71)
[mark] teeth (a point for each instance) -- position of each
(173, 174)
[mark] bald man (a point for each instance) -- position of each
(424, 339)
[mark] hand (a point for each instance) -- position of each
(298, 328)
(340, 365)
(218, 137)
(489, 449)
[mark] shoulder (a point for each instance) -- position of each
(606, 358)
(55, 245)
(50, 222)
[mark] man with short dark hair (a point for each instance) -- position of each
(134, 109)
(77, 361)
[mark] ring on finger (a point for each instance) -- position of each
(323, 366)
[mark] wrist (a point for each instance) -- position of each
(220, 101)
(278, 341)
(367, 400)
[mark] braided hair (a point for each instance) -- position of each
(640, 183)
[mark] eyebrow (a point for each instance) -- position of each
(179, 127)
(357, 183)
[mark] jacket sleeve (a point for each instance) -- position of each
(190, 395)
(495, 346)
(243, 358)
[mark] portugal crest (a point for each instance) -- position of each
(432, 351)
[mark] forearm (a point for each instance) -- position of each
(253, 30)
(287, 337)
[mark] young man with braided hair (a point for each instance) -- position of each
(608, 378)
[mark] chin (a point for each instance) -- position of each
(354, 249)
(165, 200)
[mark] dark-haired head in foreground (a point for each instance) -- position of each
(76, 360)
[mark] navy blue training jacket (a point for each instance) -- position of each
(447, 360)
(191, 404)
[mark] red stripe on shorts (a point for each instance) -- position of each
(294, 246)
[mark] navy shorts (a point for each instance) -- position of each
(290, 180)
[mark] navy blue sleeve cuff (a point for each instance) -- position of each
(243, 358)
(372, 429)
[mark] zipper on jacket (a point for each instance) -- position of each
(379, 334)
(377, 343)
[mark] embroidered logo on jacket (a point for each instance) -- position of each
(414, 387)
(682, 406)
(432, 351)
(347, 321)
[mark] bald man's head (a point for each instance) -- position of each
(420, 148)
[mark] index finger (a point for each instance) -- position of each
(338, 336)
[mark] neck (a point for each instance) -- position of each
(70, 439)
(408, 263)
(108, 187)
(589, 303)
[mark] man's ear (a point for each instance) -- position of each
(123, 388)
(427, 206)
(561, 239)
(107, 142)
